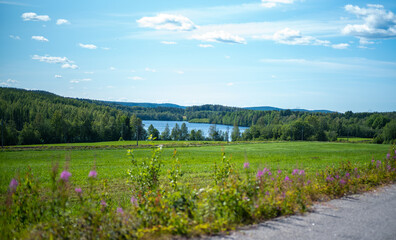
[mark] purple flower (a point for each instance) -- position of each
(92, 174)
(372, 160)
(308, 182)
(259, 174)
(279, 171)
(267, 193)
(134, 201)
(13, 185)
(269, 173)
(347, 175)
(388, 168)
(119, 210)
(387, 156)
(78, 190)
(378, 163)
(287, 179)
(302, 172)
(329, 179)
(265, 170)
(246, 165)
(65, 176)
(245, 198)
(295, 171)
(103, 203)
(337, 176)
(342, 182)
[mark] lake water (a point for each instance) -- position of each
(204, 127)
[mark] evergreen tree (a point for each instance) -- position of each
(165, 135)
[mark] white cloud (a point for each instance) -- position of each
(227, 57)
(15, 37)
(40, 38)
(377, 22)
(168, 43)
(58, 76)
(274, 3)
(89, 72)
(294, 37)
(340, 46)
(205, 45)
(31, 16)
(112, 68)
(80, 80)
(150, 70)
(105, 48)
(62, 21)
(136, 78)
(365, 41)
(220, 36)
(8, 82)
(64, 61)
(179, 72)
(88, 46)
(70, 66)
(167, 22)
(230, 84)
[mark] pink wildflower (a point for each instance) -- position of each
(103, 203)
(342, 182)
(78, 190)
(302, 172)
(119, 210)
(295, 171)
(279, 171)
(378, 163)
(92, 174)
(246, 165)
(65, 176)
(259, 174)
(13, 185)
(287, 179)
(347, 175)
(134, 201)
(387, 156)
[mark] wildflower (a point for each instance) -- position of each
(308, 182)
(245, 199)
(279, 171)
(337, 176)
(13, 185)
(269, 173)
(103, 203)
(388, 168)
(134, 201)
(259, 174)
(342, 182)
(267, 193)
(295, 171)
(246, 165)
(287, 179)
(347, 175)
(378, 163)
(265, 170)
(329, 179)
(78, 190)
(119, 210)
(92, 174)
(372, 160)
(302, 172)
(65, 176)
(387, 156)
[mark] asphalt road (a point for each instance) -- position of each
(370, 216)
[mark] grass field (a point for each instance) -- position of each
(355, 139)
(197, 162)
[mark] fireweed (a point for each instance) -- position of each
(170, 208)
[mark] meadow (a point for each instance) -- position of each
(106, 192)
(196, 158)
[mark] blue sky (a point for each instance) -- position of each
(312, 54)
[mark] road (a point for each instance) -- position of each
(370, 215)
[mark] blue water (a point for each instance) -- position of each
(204, 127)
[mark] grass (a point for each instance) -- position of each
(197, 162)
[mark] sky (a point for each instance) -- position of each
(311, 54)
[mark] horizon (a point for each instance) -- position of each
(314, 55)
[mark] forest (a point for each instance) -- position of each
(38, 117)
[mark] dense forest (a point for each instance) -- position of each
(31, 117)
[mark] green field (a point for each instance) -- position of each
(197, 162)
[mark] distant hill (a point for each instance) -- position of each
(267, 108)
(147, 105)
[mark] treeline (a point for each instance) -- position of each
(287, 125)
(32, 117)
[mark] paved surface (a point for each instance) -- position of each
(368, 216)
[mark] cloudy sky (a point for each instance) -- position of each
(312, 54)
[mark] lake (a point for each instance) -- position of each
(204, 127)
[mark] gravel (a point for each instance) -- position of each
(370, 215)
